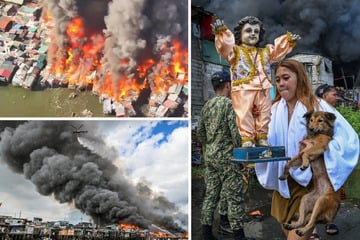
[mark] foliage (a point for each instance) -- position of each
(352, 116)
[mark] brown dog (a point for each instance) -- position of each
(322, 203)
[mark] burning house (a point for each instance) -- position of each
(118, 64)
(123, 65)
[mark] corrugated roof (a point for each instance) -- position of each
(16, 1)
(33, 29)
(4, 72)
(16, 26)
(28, 9)
(7, 66)
(43, 49)
(4, 22)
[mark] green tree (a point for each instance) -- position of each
(352, 116)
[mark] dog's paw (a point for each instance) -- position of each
(288, 226)
(299, 233)
(283, 177)
(303, 168)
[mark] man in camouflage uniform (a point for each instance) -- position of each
(218, 133)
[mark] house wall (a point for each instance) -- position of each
(201, 71)
(319, 69)
(204, 62)
(197, 96)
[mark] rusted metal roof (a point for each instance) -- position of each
(5, 23)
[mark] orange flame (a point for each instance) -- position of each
(161, 235)
(158, 234)
(47, 16)
(127, 226)
(169, 73)
(78, 62)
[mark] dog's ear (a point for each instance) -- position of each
(330, 116)
(307, 116)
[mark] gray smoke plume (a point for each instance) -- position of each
(63, 11)
(328, 27)
(132, 30)
(49, 154)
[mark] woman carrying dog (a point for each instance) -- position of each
(294, 97)
(330, 94)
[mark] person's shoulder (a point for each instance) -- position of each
(218, 98)
(225, 100)
(220, 103)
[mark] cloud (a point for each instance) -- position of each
(163, 165)
(20, 198)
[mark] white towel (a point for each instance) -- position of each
(340, 159)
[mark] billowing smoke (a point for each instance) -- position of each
(135, 28)
(327, 27)
(74, 170)
(63, 11)
(132, 30)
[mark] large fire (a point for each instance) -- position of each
(79, 58)
(78, 63)
(151, 233)
(127, 226)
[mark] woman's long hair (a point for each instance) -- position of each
(304, 92)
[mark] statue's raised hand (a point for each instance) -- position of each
(295, 37)
(218, 26)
